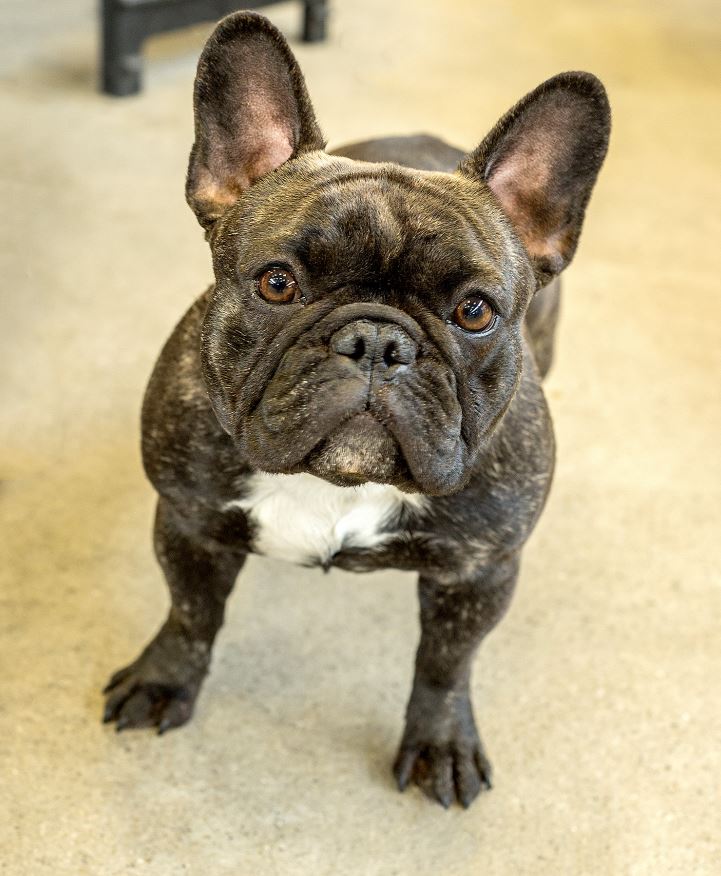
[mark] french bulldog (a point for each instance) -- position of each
(361, 386)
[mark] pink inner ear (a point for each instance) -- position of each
(265, 139)
(523, 182)
(262, 144)
(527, 166)
(271, 151)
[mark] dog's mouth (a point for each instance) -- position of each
(359, 450)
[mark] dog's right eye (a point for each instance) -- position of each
(278, 286)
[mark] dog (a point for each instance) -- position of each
(361, 387)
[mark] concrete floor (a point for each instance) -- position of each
(598, 696)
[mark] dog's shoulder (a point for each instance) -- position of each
(184, 448)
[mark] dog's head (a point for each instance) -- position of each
(366, 322)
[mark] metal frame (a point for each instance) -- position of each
(126, 24)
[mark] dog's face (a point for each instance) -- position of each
(367, 319)
(366, 324)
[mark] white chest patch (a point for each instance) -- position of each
(302, 518)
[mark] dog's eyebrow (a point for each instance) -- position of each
(430, 184)
(325, 178)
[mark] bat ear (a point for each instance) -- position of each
(252, 113)
(541, 162)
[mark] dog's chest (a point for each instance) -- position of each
(306, 520)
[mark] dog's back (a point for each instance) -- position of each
(422, 151)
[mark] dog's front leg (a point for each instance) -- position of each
(160, 687)
(441, 749)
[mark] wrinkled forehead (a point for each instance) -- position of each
(380, 223)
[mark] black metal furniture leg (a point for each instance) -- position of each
(122, 39)
(314, 20)
(126, 24)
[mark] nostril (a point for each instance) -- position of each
(390, 354)
(359, 350)
(351, 343)
(399, 351)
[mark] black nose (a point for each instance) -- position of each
(374, 344)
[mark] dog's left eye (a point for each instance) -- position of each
(475, 314)
(278, 286)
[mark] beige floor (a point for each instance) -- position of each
(598, 696)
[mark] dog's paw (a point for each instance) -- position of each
(158, 690)
(444, 773)
(441, 750)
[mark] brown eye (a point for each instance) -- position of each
(474, 314)
(278, 286)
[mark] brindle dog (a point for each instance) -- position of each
(361, 387)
